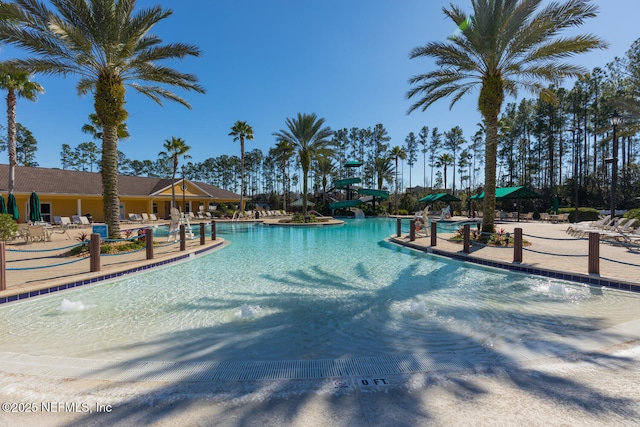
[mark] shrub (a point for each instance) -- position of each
(584, 214)
(633, 213)
(8, 227)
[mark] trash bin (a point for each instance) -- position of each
(89, 217)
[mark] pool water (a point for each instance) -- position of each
(279, 293)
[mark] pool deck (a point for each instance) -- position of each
(591, 379)
(550, 251)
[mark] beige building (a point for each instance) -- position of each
(67, 193)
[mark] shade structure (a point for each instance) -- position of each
(3, 205)
(298, 203)
(440, 197)
(35, 215)
(511, 193)
(12, 207)
(381, 194)
(353, 164)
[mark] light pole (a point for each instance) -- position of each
(577, 131)
(184, 187)
(614, 120)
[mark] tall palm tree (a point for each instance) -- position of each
(384, 171)
(109, 46)
(505, 45)
(397, 153)
(17, 84)
(310, 139)
(241, 131)
(174, 149)
(282, 152)
(443, 161)
(324, 168)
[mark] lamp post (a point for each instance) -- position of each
(184, 187)
(577, 131)
(614, 120)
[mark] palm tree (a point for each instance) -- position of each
(174, 149)
(442, 161)
(109, 47)
(241, 131)
(17, 84)
(397, 153)
(324, 167)
(503, 46)
(310, 140)
(95, 128)
(384, 171)
(282, 152)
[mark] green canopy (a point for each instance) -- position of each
(511, 193)
(3, 206)
(381, 194)
(341, 183)
(345, 204)
(12, 207)
(35, 215)
(440, 197)
(353, 164)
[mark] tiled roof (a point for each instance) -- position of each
(58, 181)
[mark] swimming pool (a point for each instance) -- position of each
(279, 293)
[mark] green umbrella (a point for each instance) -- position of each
(12, 207)
(34, 208)
(3, 206)
(555, 205)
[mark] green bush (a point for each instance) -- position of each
(8, 227)
(633, 213)
(584, 214)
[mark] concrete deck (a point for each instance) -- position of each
(595, 383)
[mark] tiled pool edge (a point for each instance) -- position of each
(523, 268)
(107, 276)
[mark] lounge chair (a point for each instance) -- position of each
(153, 217)
(84, 221)
(145, 217)
(135, 218)
(579, 227)
(37, 233)
(619, 233)
(22, 232)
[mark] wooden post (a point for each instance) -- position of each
(594, 253)
(399, 227)
(517, 245)
(434, 233)
(3, 267)
(202, 236)
(467, 239)
(213, 230)
(412, 230)
(94, 252)
(183, 238)
(149, 241)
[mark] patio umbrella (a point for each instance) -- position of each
(555, 205)
(34, 208)
(3, 206)
(12, 207)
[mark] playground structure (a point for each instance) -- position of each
(365, 194)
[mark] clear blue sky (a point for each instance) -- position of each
(266, 60)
